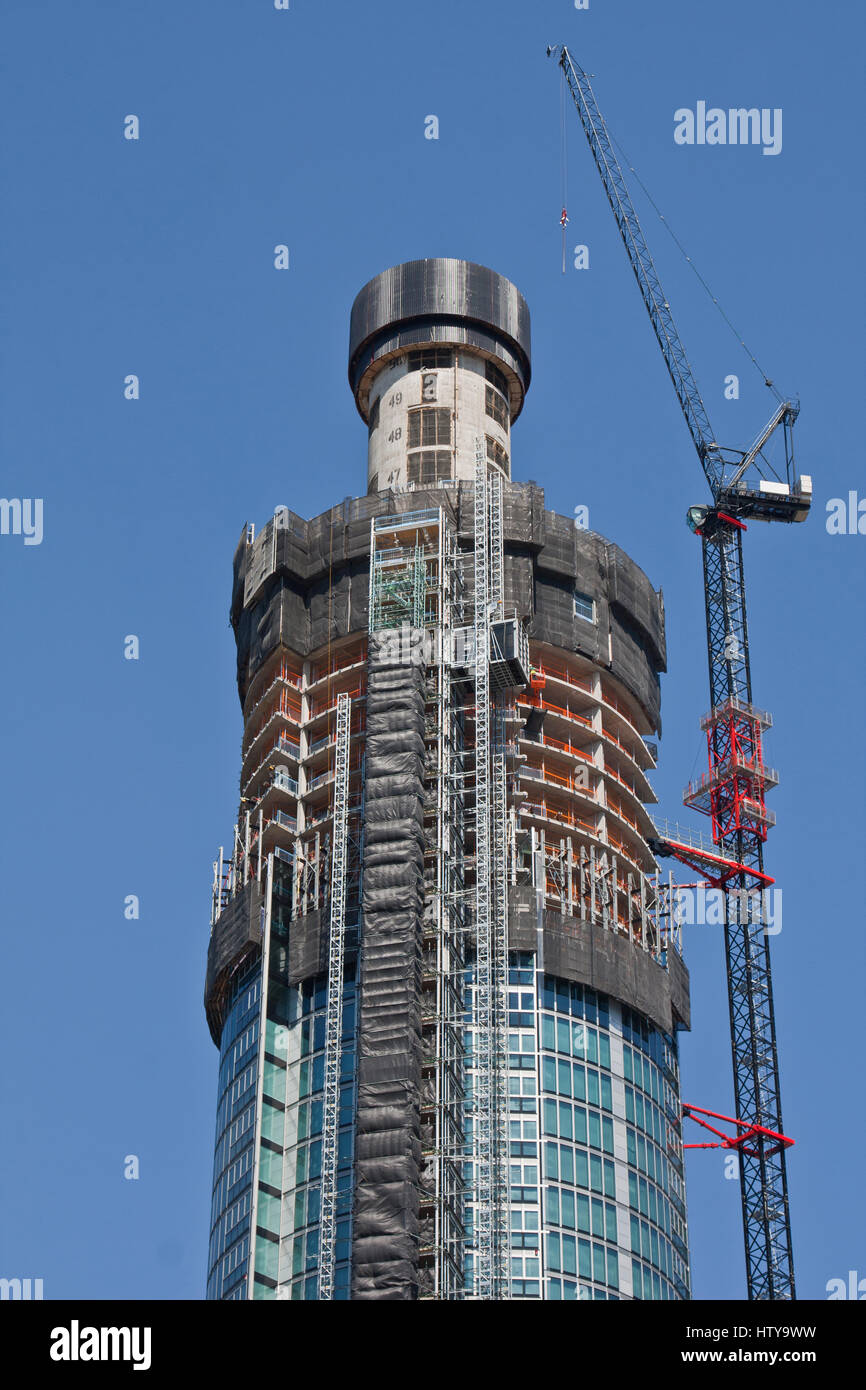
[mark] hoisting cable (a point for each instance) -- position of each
(563, 161)
(632, 170)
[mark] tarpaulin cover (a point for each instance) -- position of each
(237, 931)
(588, 952)
(303, 584)
(388, 1125)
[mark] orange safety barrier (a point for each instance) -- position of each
(560, 816)
(539, 703)
(286, 709)
(318, 707)
(320, 673)
(569, 782)
(548, 742)
(562, 674)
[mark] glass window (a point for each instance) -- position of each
(594, 1129)
(496, 406)
(496, 454)
(430, 357)
(580, 1124)
(595, 1173)
(609, 1178)
(606, 1093)
(607, 1134)
(610, 1222)
(584, 606)
(548, 1074)
(567, 1206)
(496, 377)
(597, 1210)
(581, 1168)
(583, 1213)
(428, 466)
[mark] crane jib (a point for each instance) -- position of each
(725, 470)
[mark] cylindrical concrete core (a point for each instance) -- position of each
(439, 362)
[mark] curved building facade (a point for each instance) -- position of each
(441, 980)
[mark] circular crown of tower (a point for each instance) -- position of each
(439, 301)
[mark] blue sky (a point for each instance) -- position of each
(155, 257)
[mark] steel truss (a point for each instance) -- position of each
(739, 829)
(733, 790)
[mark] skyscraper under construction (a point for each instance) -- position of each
(442, 974)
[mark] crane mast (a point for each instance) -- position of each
(732, 791)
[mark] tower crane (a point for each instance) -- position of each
(743, 487)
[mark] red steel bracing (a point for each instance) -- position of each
(741, 1142)
(702, 861)
(732, 793)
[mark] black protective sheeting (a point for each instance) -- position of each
(388, 1118)
(610, 963)
(236, 933)
(303, 584)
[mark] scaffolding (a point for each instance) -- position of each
(592, 884)
(334, 1015)
(445, 1056)
(417, 582)
(490, 1133)
(499, 884)
(474, 655)
(398, 585)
